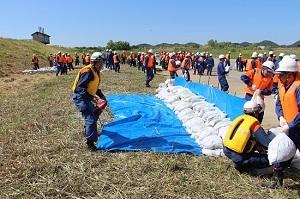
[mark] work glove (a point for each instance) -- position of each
(253, 87)
(282, 121)
(285, 129)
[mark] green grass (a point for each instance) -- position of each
(43, 153)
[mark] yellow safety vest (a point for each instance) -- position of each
(239, 133)
(92, 85)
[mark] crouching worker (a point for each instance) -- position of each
(246, 141)
(89, 98)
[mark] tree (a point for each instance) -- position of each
(119, 45)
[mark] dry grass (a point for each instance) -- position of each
(43, 154)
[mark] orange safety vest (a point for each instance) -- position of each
(249, 65)
(186, 64)
(69, 60)
(171, 67)
(116, 59)
(61, 59)
(288, 100)
(258, 64)
(257, 79)
(150, 63)
(276, 79)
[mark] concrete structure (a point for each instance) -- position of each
(40, 36)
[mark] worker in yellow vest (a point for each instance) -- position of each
(89, 98)
(244, 138)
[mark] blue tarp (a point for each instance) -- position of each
(144, 123)
(229, 104)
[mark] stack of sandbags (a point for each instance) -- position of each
(206, 123)
(41, 70)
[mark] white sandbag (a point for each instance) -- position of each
(212, 142)
(215, 152)
(185, 94)
(204, 132)
(188, 117)
(223, 131)
(221, 124)
(193, 99)
(171, 99)
(185, 112)
(183, 105)
(196, 121)
(281, 149)
(214, 121)
(276, 130)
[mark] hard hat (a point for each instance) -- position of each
(269, 65)
(260, 55)
(177, 63)
(110, 50)
(265, 53)
(250, 107)
(172, 54)
(281, 55)
(210, 55)
(88, 54)
(115, 52)
(106, 50)
(221, 56)
(150, 51)
(271, 52)
(287, 64)
(188, 55)
(293, 56)
(59, 52)
(229, 52)
(240, 54)
(254, 55)
(96, 56)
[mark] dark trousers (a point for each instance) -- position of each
(223, 83)
(186, 74)
(149, 75)
(117, 67)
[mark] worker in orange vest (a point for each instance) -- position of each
(261, 79)
(149, 65)
(141, 61)
(186, 66)
(116, 62)
(288, 112)
(60, 63)
(69, 61)
(35, 62)
(172, 66)
(123, 57)
(251, 63)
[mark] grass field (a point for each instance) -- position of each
(43, 153)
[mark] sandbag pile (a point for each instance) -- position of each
(41, 70)
(206, 123)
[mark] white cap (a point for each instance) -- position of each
(281, 55)
(250, 107)
(287, 64)
(271, 52)
(96, 56)
(221, 56)
(269, 65)
(293, 56)
(150, 51)
(254, 55)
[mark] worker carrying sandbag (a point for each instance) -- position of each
(288, 112)
(246, 142)
(89, 98)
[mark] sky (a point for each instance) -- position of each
(94, 22)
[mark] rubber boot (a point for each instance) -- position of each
(91, 145)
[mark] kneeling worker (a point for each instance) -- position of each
(246, 140)
(89, 98)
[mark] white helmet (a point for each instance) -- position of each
(271, 52)
(172, 54)
(251, 107)
(269, 65)
(293, 56)
(254, 55)
(221, 56)
(188, 55)
(287, 64)
(210, 55)
(150, 51)
(281, 55)
(177, 63)
(106, 50)
(96, 56)
(260, 55)
(115, 52)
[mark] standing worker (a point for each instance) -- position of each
(228, 59)
(76, 59)
(251, 63)
(186, 66)
(50, 60)
(149, 64)
(261, 79)
(86, 92)
(221, 74)
(116, 62)
(35, 62)
(288, 112)
(87, 59)
(210, 64)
